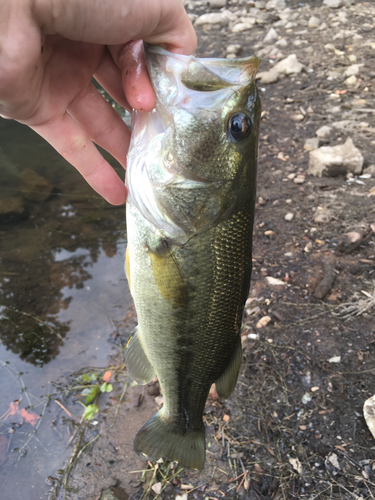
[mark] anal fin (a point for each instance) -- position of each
(136, 360)
(227, 380)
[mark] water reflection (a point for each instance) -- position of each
(63, 299)
(50, 236)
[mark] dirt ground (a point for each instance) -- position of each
(294, 427)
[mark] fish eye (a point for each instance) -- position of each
(239, 126)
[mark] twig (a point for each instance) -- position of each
(63, 407)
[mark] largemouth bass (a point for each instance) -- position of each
(191, 188)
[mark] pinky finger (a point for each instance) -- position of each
(70, 140)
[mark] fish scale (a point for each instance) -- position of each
(189, 225)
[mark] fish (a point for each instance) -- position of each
(191, 181)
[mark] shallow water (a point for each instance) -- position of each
(62, 291)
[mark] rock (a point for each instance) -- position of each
(343, 124)
(222, 19)
(350, 241)
(248, 23)
(235, 49)
(352, 58)
(336, 160)
(313, 22)
(289, 216)
(326, 283)
(333, 459)
(324, 132)
(369, 414)
(274, 281)
(12, 210)
(334, 4)
(217, 4)
(35, 187)
(322, 214)
(352, 80)
(282, 42)
(370, 170)
(300, 179)
(275, 5)
(270, 51)
(335, 359)
(353, 69)
(311, 144)
(271, 36)
(264, 321)
(323, 26)
(287, 66)
(193, 18)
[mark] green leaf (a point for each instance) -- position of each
(92, 395)
(94, 376)
(106, 387)
(90, 412)
(86, 377)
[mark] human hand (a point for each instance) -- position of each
(49, 51)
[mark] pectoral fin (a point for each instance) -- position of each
(227, 380)
(136, 360)
(168, 275)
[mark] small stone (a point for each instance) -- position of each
(289, 216)
(352, 80)
(352, 58)
(234, 49)
(282, 42)
(323, 26)
(322, 215)
(12, 210)
(271, 36)
(311, 144)
(270, 233)
(244, 26)
(231, 56)
(275, 5)
(261, 201)
(335, 359)
(313, 22)
(217, 4)
(35, 187)
(264, 321)
(156, 488)
(314, 389)
(306, 398)
(343, 124)
(369, 414)
(336, 160)
(370, 170)
(184, 496)
(334, 4)
(297, 117)
(324, 132)
(333, 459)
(352, 70)
(350, 241)
(300, 179)
(222, 19)
(274, 281)
(288, 66)
(159, 400)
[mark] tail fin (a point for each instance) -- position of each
(158, 438)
